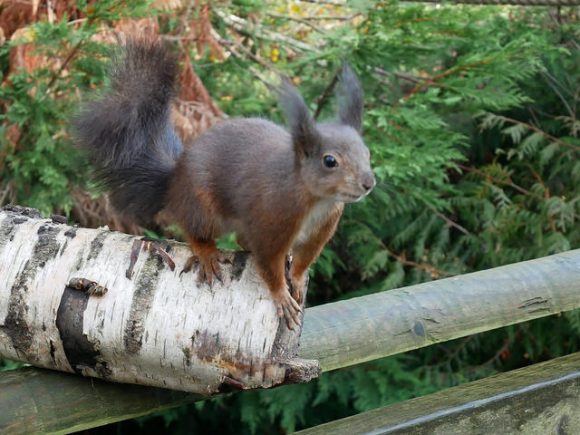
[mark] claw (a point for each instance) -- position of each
(191, 261)
(289, 309)
(207, 268)
(217, 272)
(225, 257)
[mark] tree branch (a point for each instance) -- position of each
(240, 25)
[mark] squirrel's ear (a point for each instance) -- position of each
(350, 99)
(300, 122)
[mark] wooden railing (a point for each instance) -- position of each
(543, 398)
(340, 334)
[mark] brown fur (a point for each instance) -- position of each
(273, 187)
(245, 176)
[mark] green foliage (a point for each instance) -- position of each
(6, 365)
(40, 167)
(470, 117)
(471, 121)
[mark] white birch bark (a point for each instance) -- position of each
(158, 327)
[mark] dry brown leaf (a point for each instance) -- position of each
(13, 133)
(14, 15)
(97, 212)
(195, 110)
(138, 28)
(26, 56)
(192, 88)
(126, 28)
(191, 119)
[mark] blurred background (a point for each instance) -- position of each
(471, 118)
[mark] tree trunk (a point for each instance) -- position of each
(113, 306)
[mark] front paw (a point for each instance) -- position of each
(288, 308)
(208, 269)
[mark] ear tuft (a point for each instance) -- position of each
(350, 99)
(300, 122)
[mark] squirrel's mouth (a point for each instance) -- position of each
(352, 197)
(349, 197)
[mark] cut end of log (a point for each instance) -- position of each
(300, 370)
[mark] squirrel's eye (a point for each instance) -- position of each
(330, 161)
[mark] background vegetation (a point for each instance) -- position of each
(471, 118)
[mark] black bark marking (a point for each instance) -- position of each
(80, 262)
(239, 264)
(80, 352)
(24, 211)
(58, 219)
(187, 356)
(16, 325)
(16, 216)
(64, 246)
(46, 247)
(141, 304)
(9, 226)
(71, 233)
(7, 230)
(52, 352)
(97, 245)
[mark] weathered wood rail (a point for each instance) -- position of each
(540, 399)
(362, 329)
(339, 334)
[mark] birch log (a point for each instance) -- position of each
(109, 305)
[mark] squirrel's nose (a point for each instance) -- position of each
(368, 181)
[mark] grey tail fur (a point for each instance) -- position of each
(127, 132)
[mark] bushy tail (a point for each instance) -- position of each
(127, 131)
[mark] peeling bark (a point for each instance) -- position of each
(98, 303)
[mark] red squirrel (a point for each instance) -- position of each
(280, 190)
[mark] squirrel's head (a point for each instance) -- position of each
(333, 160)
